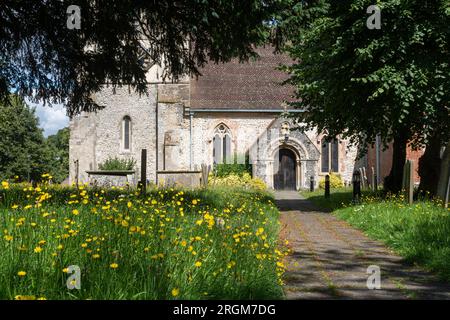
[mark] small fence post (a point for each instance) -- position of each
(77, 172)
(447, 194)
(311, 184)
(373, 179)
(411, 182)
(143, 182)
(327, 186)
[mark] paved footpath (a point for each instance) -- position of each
(329, 259)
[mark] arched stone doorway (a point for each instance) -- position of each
(285, 170)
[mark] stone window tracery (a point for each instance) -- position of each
(330, 155)
(222, 145)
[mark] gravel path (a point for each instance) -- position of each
(329, 259)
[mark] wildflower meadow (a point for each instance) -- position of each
(215, 243)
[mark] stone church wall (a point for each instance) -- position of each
(245, 130)
(97, 136)
(181, 139)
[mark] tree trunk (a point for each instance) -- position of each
(445, 173)
(393, 182)
(429, 167)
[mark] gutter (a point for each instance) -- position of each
(191, 115)
(247, 110)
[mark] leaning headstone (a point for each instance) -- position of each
(356, 180)
(362, 181)
(364, 177)
(205, 174)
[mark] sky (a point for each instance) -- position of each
(51, 119)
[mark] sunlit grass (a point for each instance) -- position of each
(201, 244)
(339, 197)
(419, 232)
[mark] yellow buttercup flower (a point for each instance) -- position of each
(198, 264)
(22, 273)
(114, 265)
(37, 249)
(194, 202)
(75, 212)
(20, 297)
(175, 292)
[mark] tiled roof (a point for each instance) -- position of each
(251, 85)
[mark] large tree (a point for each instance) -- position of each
(42, 59)
(360, 82)
(23, 151)
(58, 147)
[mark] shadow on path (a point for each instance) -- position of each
(329, 259)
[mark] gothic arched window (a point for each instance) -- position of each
(330, 155)
(126, 133)
(222, 145)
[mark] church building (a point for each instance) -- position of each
(232, 111)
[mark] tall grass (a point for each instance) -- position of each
(200, 244)
(419, 232)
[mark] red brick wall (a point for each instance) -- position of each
(386, 162)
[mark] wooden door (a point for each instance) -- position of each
(285, 178)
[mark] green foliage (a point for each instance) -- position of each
(359, 82)
(23, 151)
(335, 181)
(58, 145)
(419, 232)
(238, 169)
(186, 34)
(117, 164)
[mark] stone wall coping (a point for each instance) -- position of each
(177, 171)
(111, 172)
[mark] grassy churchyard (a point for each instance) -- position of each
(215, 243)
(419, 232)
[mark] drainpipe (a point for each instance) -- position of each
(157, 137)
(191, 115)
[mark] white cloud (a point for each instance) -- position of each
(51, 119)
